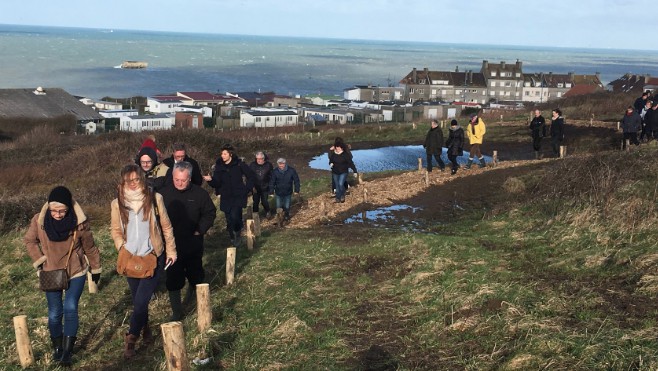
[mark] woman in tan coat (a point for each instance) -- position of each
(61, 226)
(141, 226)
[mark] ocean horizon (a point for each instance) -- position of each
(85, 61)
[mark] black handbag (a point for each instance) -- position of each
(58, 279)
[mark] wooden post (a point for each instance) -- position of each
(364, 216)
(563, 151)
(257, 230)
(173, 340)
(23, 346)
(285, 136)
(359, 179)
(93, 287)
(279, 217)
(494, 158)
(413, 126)
(203, 308)
(365, 195)
(501, 118)
(250, 235)
(230, 265)
(628, 145)
(618, 125)
(427, 178)
(342, 131)
(323, 210)
(380, 128)
(420, 165)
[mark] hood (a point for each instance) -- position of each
(79, 214)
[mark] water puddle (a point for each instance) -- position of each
(389, 217)
(388, 158)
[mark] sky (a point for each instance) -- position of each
(562, 23)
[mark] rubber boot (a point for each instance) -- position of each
(482, 163)
(67, 350)
(57, 348)
(470, 162)
(190, 295)
(129, 346)
(176, 305)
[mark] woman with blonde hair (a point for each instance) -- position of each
(141, 229)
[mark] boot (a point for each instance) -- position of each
(453, 171)
(536, 155)
(57, 348)
(129, 346)
(147, 335)
(67, 350)
(190, 295)
(470, 162)
(482, 163)
(176, 305)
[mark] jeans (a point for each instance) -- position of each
(67, 308)
(284, 203)
(339, 181)
(442, 164)
(260, 197)
(141, 290)
(233, 220)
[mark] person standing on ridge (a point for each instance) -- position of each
(631, 123)
(340, 161)
(475, 132)
(434, 146)
(557, 130)
(283, 183)
(263, 170)
(455, 144)
(538, 128)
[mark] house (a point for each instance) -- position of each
(286, 101)
(332, 116)
(504, 80)
(268, 117)
(163, 103)
(139, 123)
(204, 110)
(188, 120)
(43, 103)
(321, 100)
(633, 84)
(444, 86)
(118, 113)
(202, 98)
(255, 99)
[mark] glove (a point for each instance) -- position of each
(96, 277)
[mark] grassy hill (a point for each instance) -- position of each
(535, 265)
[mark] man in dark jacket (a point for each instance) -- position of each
(180, 154)
(651, 120)
(284, 182)
(455, 145)
(263, 170)
(538, 128)
(434, 146)
(192, 213)
(557, 130)
(631, 123)
(233, 180)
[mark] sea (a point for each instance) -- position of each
(85, 62)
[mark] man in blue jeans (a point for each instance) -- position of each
(282, 184)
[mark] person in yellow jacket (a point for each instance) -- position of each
(475, 132)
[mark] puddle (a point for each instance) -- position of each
(388, 158)
(387, 217)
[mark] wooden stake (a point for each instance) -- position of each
(380, 128)
(365, 195)
(93, 287)
(251, 238)
(23, 346)
(427, 178)
(359, 179)
(618, 125)
(563, 151)
(413, 126)
(230, 265)
(628, 145)
(173, 340)
(323, 210)
(420, 164)
(279, 217)
(203, 308)
(256, 218)
(494, 158)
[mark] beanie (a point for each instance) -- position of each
(453, 122)
(62, 195)
(150, 153)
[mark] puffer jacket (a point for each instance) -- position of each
(52, 254)
(476, 132)
(631, 123)
(455, 142)
(159, 245)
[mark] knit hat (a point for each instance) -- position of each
(150, 153)
(62, 195)
(453, 122)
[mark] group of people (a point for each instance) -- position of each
(640, 118)
(160, 215)
(433, 144)
(538, 130)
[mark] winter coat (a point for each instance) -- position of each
(52, 254)
(227, 179)
(557, 128)
(434, 141)
(197, 178)
(476, 132)
(156, 231)
(651, 120)
(631, 123)
(538, 127)
(455, 142)
(283, 181)
(341, 163)
(190, 210)
(263, 175)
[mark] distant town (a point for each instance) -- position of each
(421, 94)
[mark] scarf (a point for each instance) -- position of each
(59, 230)
(134, 200)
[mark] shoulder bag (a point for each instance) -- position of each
(58, 279)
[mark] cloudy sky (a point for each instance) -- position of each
(570, 23)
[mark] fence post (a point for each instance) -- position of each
(413, 125)
(427, 178)
(173, 340)
(93, 287)
(23, 346)
(230, 265)
(256, 218)
(365, 195)
(203, 308)
(420, 165)
(279, 217)
(494, 158)
(563, 151)
(250, 235)
(359, 179)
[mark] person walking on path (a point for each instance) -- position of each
(434, 146)
(263, 170)
(340, 161)
(538, 128)
(192, 213)
(645, 134)
(233, 180)
(156, 173)
(455, 144)
(339, 141)
(631, 123)
(651, 120)
(59, 237)
(140, 225)
(557, 131)
(475, 132)
(179, 155)
(283, 183)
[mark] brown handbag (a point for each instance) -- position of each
(134, 266)
(58, 279)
